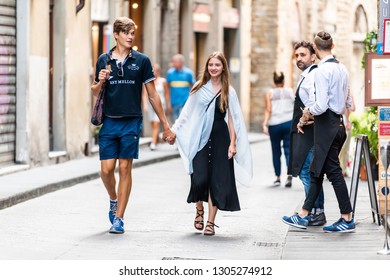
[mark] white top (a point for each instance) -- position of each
(330, 88)
(282, 105)
(306, 86)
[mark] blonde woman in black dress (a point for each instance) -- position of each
(213, 143)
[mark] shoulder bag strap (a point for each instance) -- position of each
(215, 96)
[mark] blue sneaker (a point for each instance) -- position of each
(112, 212)
(296, 221)
(341, 226)
(117, 226)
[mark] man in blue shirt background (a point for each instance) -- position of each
(180, 80)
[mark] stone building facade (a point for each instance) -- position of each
(48, 50)
(44, 82)
(278, 24)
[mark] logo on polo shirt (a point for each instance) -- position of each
(122, 82)
(133, 67)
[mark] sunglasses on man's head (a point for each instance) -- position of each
(120, 70)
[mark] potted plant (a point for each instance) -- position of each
(366, 123)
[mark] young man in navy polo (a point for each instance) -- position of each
(125, 71)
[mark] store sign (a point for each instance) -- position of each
(201, 18)
(384, 129)
(231, 18)
(384, 114)
(384, 144)
(100, 10)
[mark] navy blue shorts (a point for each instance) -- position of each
(119, 138)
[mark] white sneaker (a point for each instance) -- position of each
(152, 146)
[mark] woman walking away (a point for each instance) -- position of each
(279, 107)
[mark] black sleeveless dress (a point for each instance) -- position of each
(213, 171)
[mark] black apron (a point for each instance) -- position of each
(326, 127)
(300, 144)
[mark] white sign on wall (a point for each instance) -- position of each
(100, 10)
(234, 65)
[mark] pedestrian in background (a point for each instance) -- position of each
(301, 144)
(279, 105)
(331, 97)
(120, 132)
(211, 133)
(163, 91)
(180, 79)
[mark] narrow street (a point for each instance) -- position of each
(73, 224)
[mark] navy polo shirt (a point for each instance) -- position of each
(124, 94)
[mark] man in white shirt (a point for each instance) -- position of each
(331, 99)
(301, 144)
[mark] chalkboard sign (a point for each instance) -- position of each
(362, 146)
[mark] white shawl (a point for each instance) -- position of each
(193, 129)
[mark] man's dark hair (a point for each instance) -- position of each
(323, 41)
(278, 78)
(305, 44)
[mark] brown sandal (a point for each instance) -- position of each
(209, 230)
(199, 213)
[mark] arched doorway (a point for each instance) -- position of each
(360, 29)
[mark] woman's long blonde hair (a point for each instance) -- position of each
(225, 79)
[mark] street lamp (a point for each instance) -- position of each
(385, 158)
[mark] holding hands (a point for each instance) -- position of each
(169, 136)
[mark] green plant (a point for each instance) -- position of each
(366, 123)
(369, 45)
